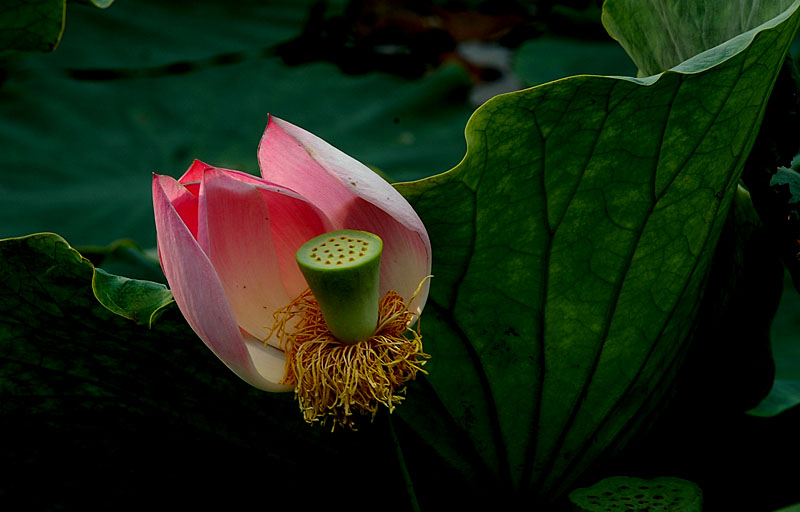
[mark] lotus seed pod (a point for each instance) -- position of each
(342, 269)
(629, 494)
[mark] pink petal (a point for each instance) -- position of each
(235, 234)
(353, 197)
(251, 231)
(200, 294)
(294, 221)
(182, 200)
(194, 175)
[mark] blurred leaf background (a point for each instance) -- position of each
(146, 86)
(143, 87)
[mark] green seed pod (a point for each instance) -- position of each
(342, 269)
(625, 493)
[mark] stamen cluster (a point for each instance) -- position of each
(336, 381)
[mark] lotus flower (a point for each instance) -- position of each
(227, 242)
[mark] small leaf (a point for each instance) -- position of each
(31, 25)
(785, 392)
(790, 179)
(137, 300)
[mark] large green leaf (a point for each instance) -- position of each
(571, 255)
(669, 32)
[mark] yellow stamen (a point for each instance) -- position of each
(334, 380)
